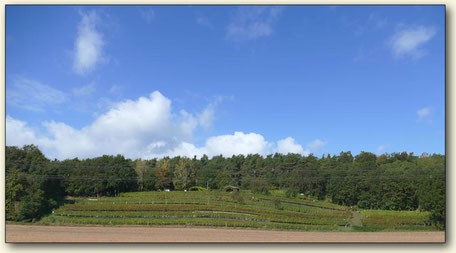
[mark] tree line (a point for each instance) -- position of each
(398, 181)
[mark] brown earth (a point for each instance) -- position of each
(23, 233)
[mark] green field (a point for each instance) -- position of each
(381, 220)
(224, 209)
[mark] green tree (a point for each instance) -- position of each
(14, 192)
(181, 178)
(32, 184)
(259, 186)
(163, 175)
(140, 169)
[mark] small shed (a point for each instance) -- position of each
(230, 188)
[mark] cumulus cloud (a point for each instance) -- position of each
(89, 44)
(132, 128)
(145, 128)
(142, 128)
(238, 143)
(288, 145)
(423, 113)
(18, 133)
(315, 145)
(32, 95)
(185, 149)
(207, 116)
(250, 23)
(410, 41)
(226, 145)
(241, 143)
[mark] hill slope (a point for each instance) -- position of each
(223, 209)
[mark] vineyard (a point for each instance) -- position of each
(228, 209)
(375, 220)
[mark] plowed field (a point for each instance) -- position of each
(21, 233)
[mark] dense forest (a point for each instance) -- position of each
(400, 181)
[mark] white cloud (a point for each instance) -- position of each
(186, 149)
(207, 117)
(239, 143)
(288, 145)
(32, 95)
(85, 90)
(226, 145)
(143, 128)
(132, 128)
(88, 45)
(409, 41)
(18, 133)
(315, 145)
(250, 23)
(148, 15)
(423, 113)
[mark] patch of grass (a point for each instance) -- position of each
(385, 220)
(237, 197)
(277, 204)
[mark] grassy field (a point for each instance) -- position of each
(223, 209)
(381, 220)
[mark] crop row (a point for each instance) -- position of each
(387, 221)
(383, 220)
(304, 204)
(263, 206)
(213, 210)
(146, 214)
(216, 216)
(217, 195)
(189, 222)
(391, 218)
(204, 214)
(414, 214)
(180, 207)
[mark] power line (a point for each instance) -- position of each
(263, 169)
(117, 178)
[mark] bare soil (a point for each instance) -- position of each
(24, 233)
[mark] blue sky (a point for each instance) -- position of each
(151, 81)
